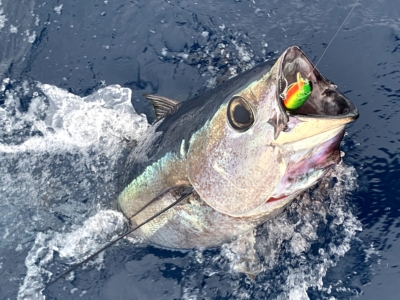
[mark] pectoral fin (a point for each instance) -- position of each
(163, 106)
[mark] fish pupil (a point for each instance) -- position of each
(241, 114)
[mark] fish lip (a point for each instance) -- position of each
(325, 101)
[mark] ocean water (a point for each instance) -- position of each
(72, 78)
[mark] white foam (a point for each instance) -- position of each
(13, 29)
(30, 37)
(64, 144)
(73, 247)
(3, 18)
(59, 157)
(100, 120)
(58, 9)
(283, 245)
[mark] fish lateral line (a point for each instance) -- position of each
(186, 193)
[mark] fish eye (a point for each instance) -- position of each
(240, 115)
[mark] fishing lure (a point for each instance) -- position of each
(297, 93)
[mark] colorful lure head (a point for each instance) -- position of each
(297, 93)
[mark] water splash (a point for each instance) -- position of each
(63, 146)
(60, 156)
(71, 247)
(60, 173)
(215, 57)
(295, 249)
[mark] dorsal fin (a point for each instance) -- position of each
(163, 106)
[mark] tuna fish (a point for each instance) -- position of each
(241, 151)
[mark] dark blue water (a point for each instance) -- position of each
(58, 152)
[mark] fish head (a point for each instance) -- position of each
(253, 154)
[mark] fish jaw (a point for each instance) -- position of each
(306, 165)
(325, 109)
(309, 138)
(307, 161)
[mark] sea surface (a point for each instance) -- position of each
(72, 75)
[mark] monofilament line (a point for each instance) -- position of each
(335, 35)
(185, 194)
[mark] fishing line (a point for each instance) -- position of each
(154, 200)
(187, 192)
(315, 66)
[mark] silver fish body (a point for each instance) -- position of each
(245, 155)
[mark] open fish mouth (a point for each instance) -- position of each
(311, 133)
(325, 100)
